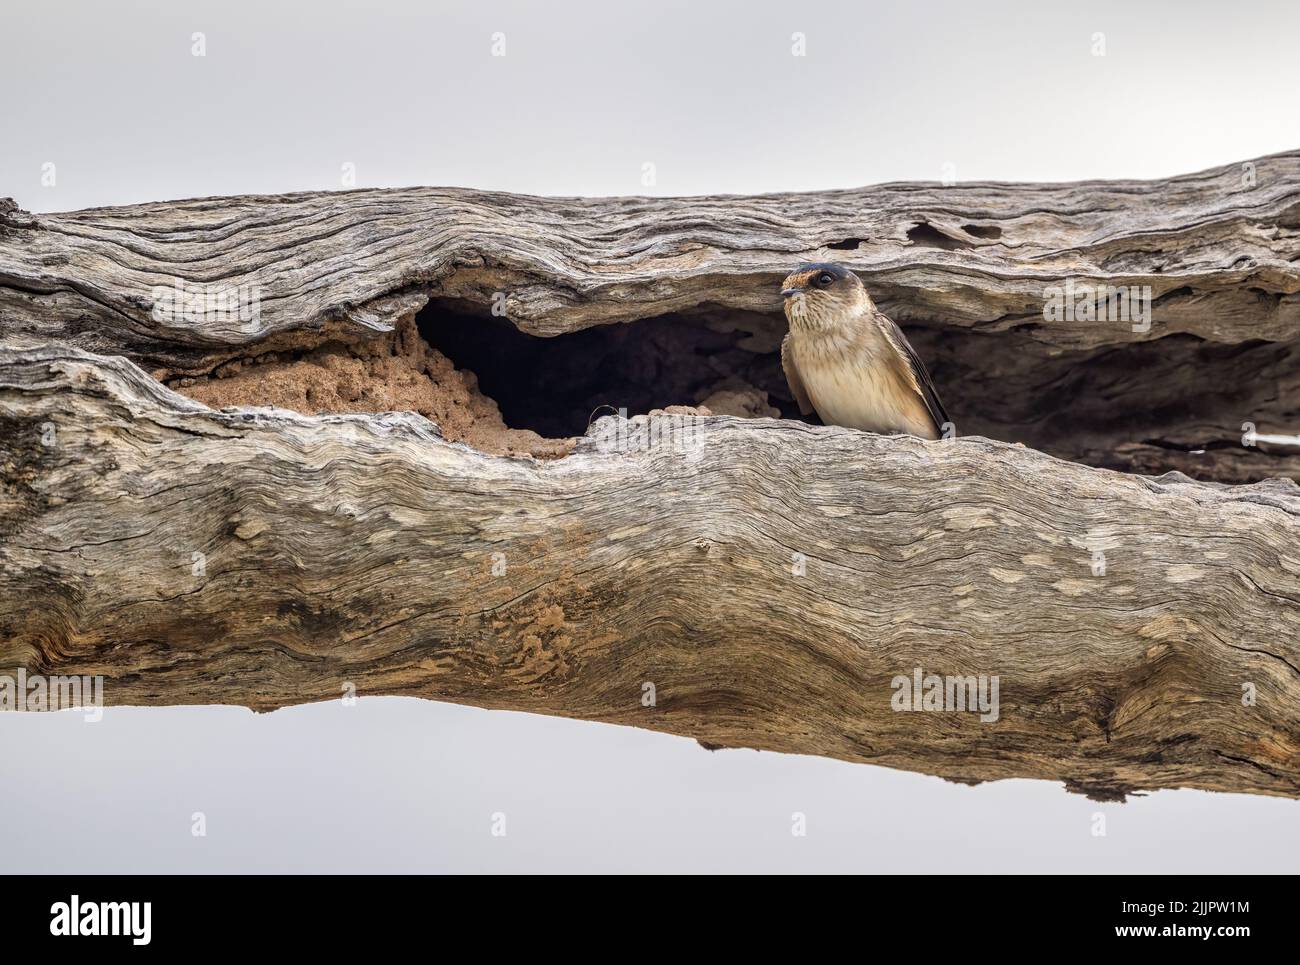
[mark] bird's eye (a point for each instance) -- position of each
(825, 279)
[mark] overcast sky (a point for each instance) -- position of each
(708, 92)
(711, 94)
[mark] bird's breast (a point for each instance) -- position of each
(853, 385)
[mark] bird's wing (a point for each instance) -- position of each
(792, 376)
(917, 373)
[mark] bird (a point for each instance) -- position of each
(848, 361)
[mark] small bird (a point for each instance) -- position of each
(848, 361)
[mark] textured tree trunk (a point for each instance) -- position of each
(752, 582)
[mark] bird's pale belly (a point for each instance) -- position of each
(865, 397)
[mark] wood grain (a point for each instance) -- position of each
(361, 549)
(765, 579)
(1219, 250)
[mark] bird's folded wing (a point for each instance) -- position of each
(919, 374)
(792, 376)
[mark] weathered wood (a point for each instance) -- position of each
(1218, 248)
(367, 550)
(965, 267)
(768, 578)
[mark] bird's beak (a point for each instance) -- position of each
(791, 292)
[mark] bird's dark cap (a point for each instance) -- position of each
(839, 271)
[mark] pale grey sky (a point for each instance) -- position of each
(587, 93)
(709, 92)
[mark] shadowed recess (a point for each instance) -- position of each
(1176, 403)
(726, 361)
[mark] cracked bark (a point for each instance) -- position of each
(362, 548)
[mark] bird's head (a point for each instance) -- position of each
(822, 295)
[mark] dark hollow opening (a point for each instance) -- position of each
(926, 235)
(555, 385)
(1174, 403)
